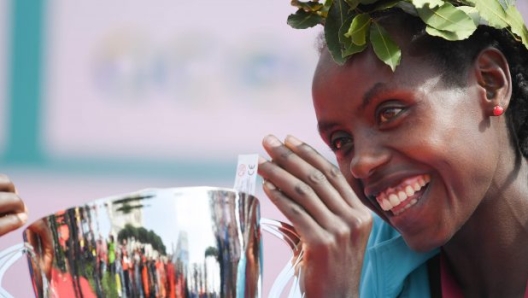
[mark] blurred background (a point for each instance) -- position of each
(99, 98)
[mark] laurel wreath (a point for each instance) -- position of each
(349, 25)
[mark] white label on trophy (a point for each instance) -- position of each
(246, 173)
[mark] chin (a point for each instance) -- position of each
(423, 245)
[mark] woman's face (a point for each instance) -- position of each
(416, 151)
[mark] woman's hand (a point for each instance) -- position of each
(13, 213)
(333, 224)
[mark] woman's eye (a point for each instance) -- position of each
(339, 142)
(388, 113)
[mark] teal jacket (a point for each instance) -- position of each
(391, 268)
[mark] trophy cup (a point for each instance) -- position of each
(172, 242)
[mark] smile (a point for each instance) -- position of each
(401, 197)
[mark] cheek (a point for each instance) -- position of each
(462, 162)
(439, 135)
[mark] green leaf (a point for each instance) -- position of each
(448, 18)
(447, 35)
(302, 19)
(492, 12)
(359, 28)
(384, 47)
(327, 4)
(326, 7)
(367, 2)
(387, 5)
(506, 3)
(472, 12)
(349, 47)
(407, 7)
(309, 6)
(517, 24)
(427, 3)
(335, 20)
(352, 3)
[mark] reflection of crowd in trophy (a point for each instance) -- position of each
(227, 242)
(131, 262)
(138, 269)
(106, 251)
(238, 265)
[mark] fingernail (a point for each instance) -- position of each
(22, 217)
(261, 160)
(269, 185)
(272, 141)
(292, 140)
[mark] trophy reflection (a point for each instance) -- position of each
(185, 242)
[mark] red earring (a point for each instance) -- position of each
(498, 110)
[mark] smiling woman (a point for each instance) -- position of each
(430, 137)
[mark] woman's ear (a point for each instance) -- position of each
(493, 76)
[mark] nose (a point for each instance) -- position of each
(369, 155)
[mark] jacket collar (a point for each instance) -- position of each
(391, 260)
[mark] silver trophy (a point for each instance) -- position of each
(174, 242)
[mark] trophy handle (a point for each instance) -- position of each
(7, 258)
(286, 233)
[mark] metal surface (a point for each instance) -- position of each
(180, 242)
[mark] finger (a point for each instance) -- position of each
(6, 185)
(326, 168)
(323, 176)
(293, 190)
(305, 225)
(11, 203)
(11, 222)
(314, 178)
(357, 217)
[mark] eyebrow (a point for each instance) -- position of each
(325, 126)
(372, 93)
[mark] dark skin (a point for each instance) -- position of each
(388, 129)
(13, 213)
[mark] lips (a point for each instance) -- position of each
(402, 196)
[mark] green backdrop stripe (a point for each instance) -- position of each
(24, 82)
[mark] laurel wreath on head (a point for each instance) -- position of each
(349, 25)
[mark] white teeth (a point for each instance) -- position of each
(394, 200)
(409, 191)
(391, 197)
(386, 205)
(411, 203)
